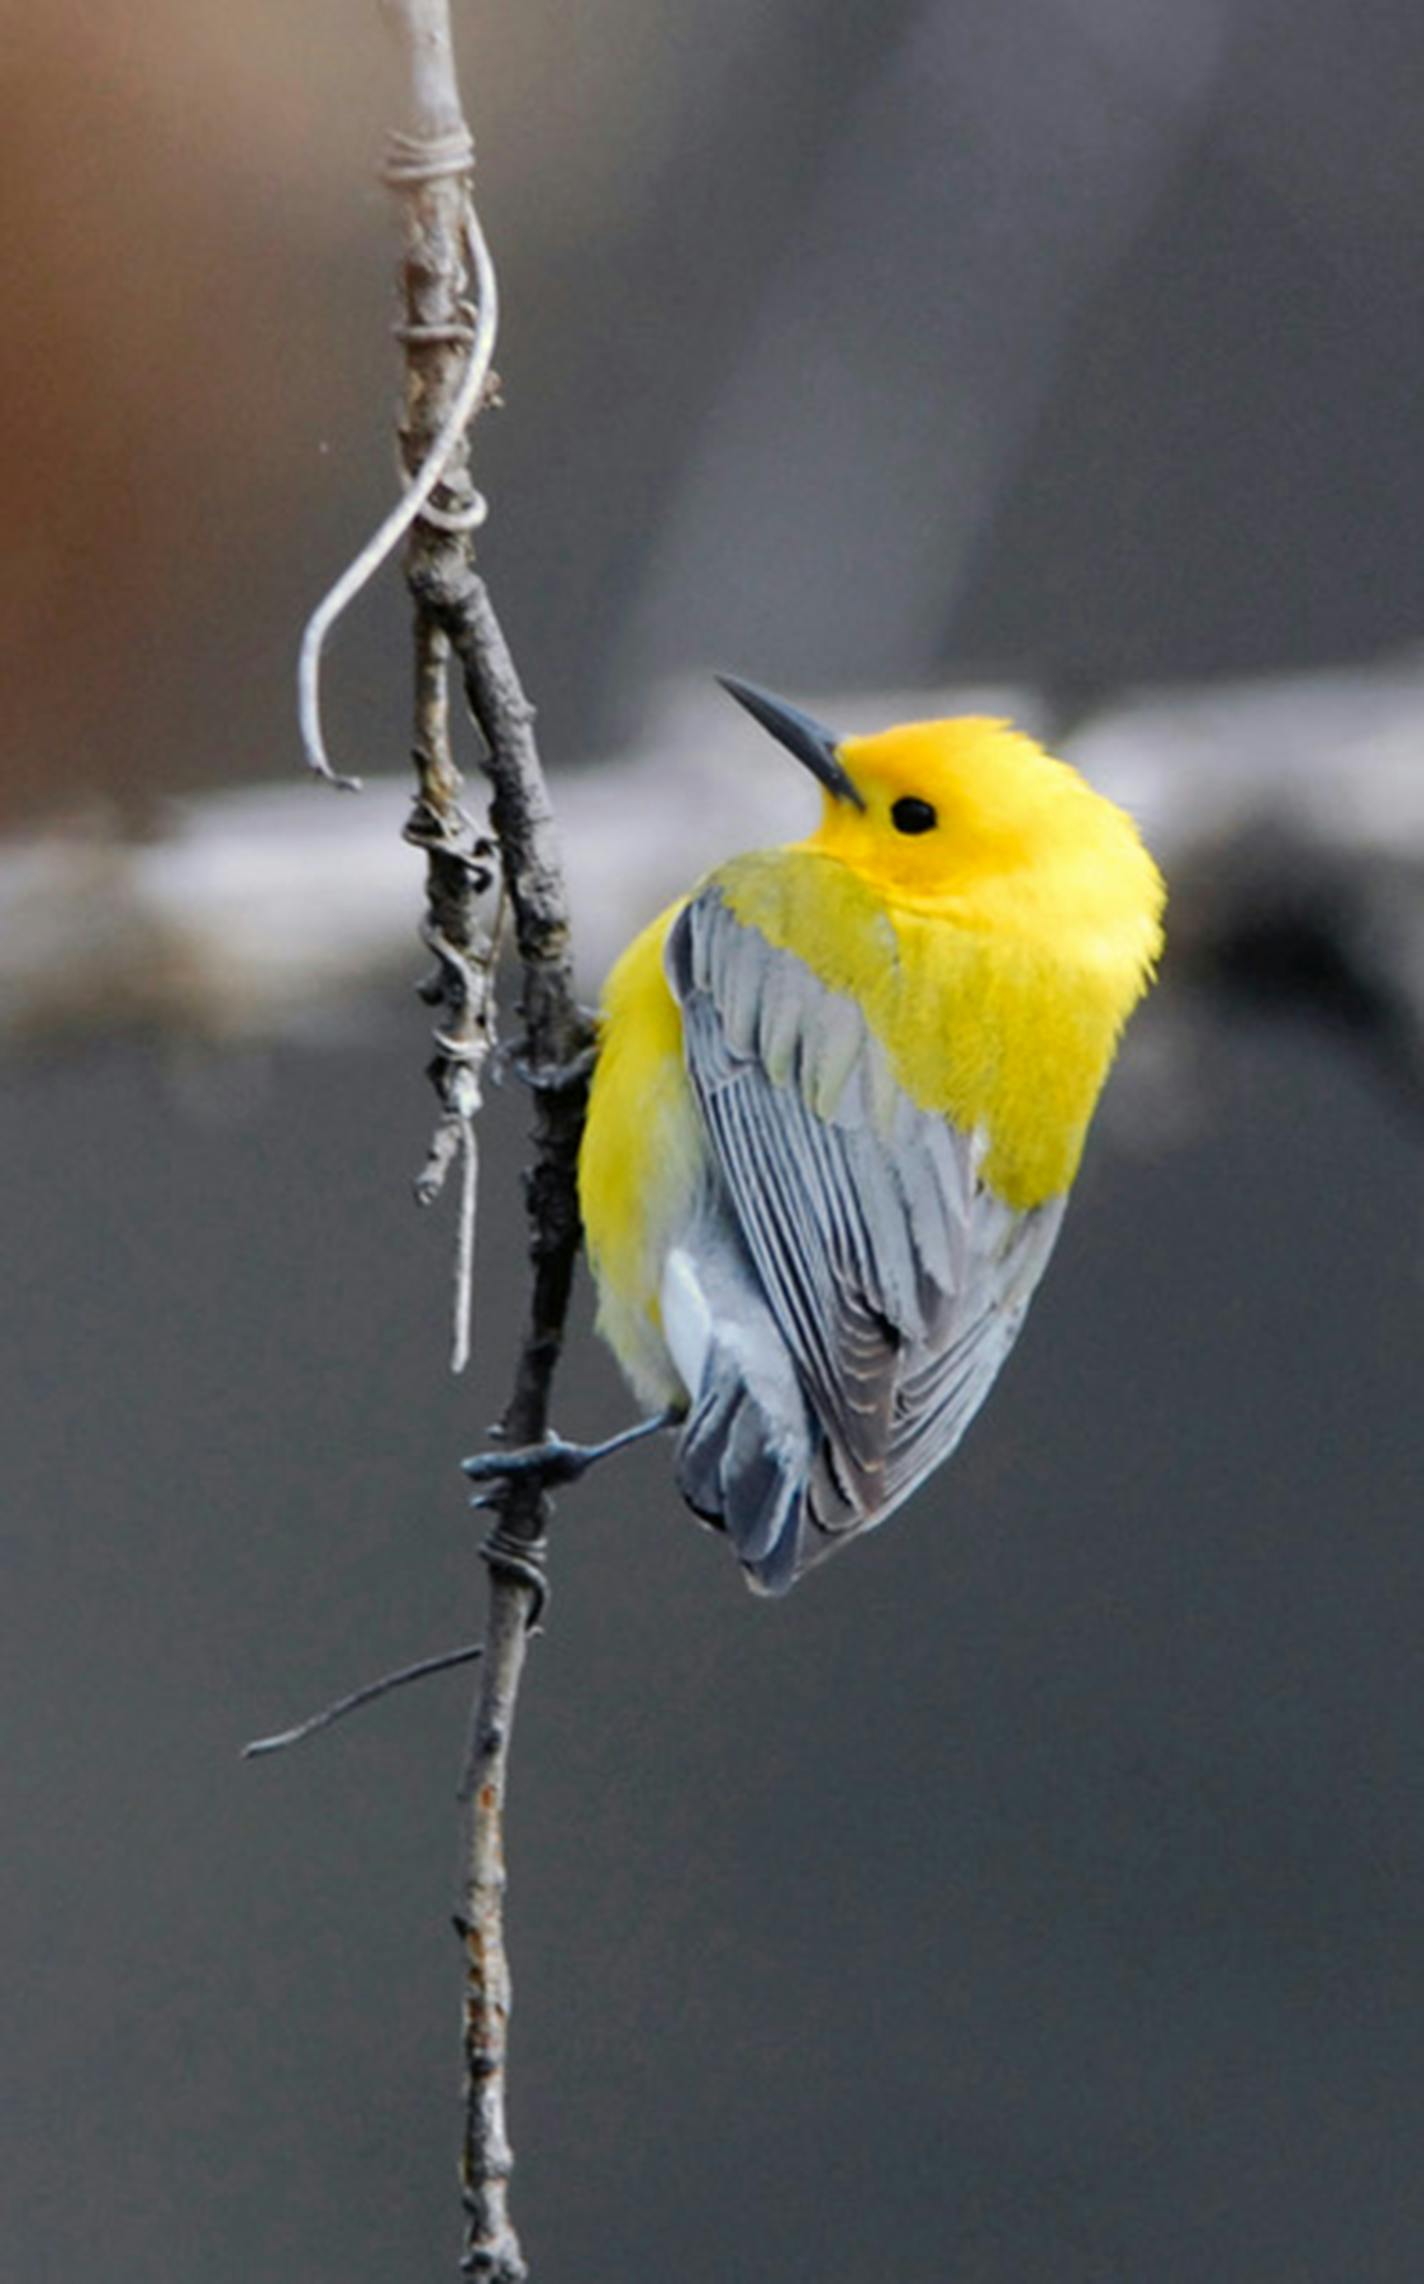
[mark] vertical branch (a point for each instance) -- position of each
(448, 343)
(491, 2246)
(555, 1051)
(428, 166)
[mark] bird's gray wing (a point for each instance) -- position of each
(897, 1281)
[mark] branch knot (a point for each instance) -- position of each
(413, 159)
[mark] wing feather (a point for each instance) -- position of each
(897, 1281)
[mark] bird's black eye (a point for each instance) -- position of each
(913, 816)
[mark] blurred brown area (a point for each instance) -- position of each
(839, 345)
(176, 197)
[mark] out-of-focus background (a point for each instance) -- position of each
(1035, 1897)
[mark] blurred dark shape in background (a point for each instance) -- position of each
(1035, 1899)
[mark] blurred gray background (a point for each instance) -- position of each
(1034, 1898)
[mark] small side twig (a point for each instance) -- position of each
(369, 1692)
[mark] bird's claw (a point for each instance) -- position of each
(549, 1078)
(552, 1461)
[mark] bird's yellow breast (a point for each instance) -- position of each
(1002, 1014)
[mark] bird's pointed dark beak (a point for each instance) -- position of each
(810, 741)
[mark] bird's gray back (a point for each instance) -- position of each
(895, 1279)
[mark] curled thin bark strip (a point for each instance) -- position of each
(432, 471)
(466, 952)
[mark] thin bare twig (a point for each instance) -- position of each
(370, 1691)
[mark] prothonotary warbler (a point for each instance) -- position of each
(841, 1094)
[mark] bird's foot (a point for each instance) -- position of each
(553, 1460)
(550, 1078)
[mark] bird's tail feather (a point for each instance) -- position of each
(740, 1469)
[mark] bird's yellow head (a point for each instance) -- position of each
(970, 815)
(942, 803)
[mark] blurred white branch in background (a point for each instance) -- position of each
(1288, 814)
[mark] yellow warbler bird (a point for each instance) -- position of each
(841, 1093)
